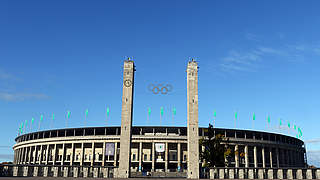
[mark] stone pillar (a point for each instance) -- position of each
(140, 156)
(30, 155)
(45, 171)
(54, 154)
(72, 154)
(231, 173)
(95, 172)
(246, 158)
(55, 171)
(318, 174)
(260, 174)
(85, 172)
(289, 174)
(35, 171)
(221, 173)
(153, 157)
(25, 171)
(270, 174)
(75, 171)
(211, 173)
(179, 156)
(115, 154)
(105, 172)
(299, 174)
(270, 151)
(263, 158)
(104, 153)
(35, 155)
(192, 119)
(166, 159)
(236, 155)
(241, 174)
(41, 154)
(309, 173)
(250, 174)
(126, 119)
(255, 156)
(25, 155)
(63, 153)
(280, 174)
(82, 154)
(92, 151)
(47, 153)
(65, 171)
(277, 155)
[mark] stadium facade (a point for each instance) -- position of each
(154, 149)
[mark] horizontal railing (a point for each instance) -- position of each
(57, 171)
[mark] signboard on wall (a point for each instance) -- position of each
(160, 147)
(109, 149)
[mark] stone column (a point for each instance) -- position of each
(104, 153)
(72, 154)
(263, 158)
(63, 153)
(115, 154)
(270, 151)
(92, 151)
(47, 154)
(153, 157)
(41, 154)
(179, 156)
(35, 154)
(140, 156)
(236, 155)
(30, 155)
(246, 158)
(255, 156)
(126, 119)
(277, 154)
(166, 158)
(192, 119)
(54, 154)
(25, 155)
(82, 154)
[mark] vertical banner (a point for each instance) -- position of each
(109, 149)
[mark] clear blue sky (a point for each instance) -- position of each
(254, 56)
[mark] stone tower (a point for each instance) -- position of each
(126, 119)
(193, 134)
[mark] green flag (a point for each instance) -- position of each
(53, 117)
(108, 111)
(280, 121)
(86, 113)
(289, 124)
(41, 118)
(214, 113)
(21, 127)
(161, 111)
(294, 127)
(254, 117)
(236, 115)
(68, 114)
(174, 111)
(268, 119)
(32, 120)
(149, 111)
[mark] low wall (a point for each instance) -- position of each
(264, 173)
(57, 171)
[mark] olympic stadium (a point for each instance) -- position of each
(155, 149)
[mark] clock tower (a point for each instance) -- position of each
(126, 119)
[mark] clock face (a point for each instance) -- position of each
(127, 83)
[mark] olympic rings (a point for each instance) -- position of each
(160, 88)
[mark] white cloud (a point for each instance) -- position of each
(5, 76)
(313, 158)
(20, 96)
